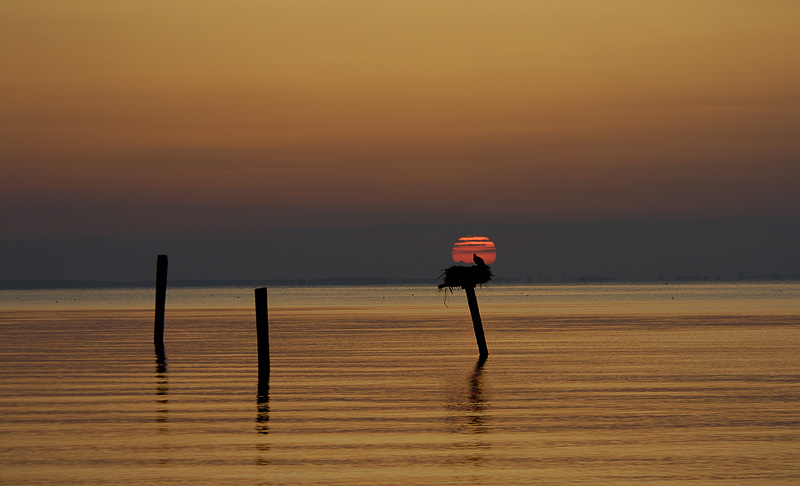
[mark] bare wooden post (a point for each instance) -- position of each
(161, 301)
(262, 336)
(472, 301)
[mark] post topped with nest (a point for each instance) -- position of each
(467, 278)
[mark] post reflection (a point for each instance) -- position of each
(262, 407)
(162, 386)
(469, 407)
(468, 416)
(262, 420)
(162, 399)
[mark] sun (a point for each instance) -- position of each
(480, 245)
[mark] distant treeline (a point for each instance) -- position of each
(740, 277)
(353, 281)
(276, 282)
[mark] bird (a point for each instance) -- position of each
(478, 260)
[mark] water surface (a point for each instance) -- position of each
(585, 384)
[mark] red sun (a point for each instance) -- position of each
(479, 245)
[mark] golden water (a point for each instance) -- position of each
(632, 387)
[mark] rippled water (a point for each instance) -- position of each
(602, 384)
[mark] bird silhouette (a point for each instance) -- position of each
(478, 260)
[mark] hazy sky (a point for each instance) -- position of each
(146, 116)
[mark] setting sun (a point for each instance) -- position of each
(480, 245)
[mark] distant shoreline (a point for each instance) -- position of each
(188, 283)
(347, 281)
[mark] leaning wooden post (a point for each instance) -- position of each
(262, 336)
(472, 301)
(161, 301)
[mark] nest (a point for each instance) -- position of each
(460, 276)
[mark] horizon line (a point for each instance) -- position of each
(45, 284)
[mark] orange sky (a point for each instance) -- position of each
(147, 115)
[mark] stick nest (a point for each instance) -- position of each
(460, 276)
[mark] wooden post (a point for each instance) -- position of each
(262, 336)
(161, 301)
(476, 320)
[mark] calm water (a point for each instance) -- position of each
(592, 384)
